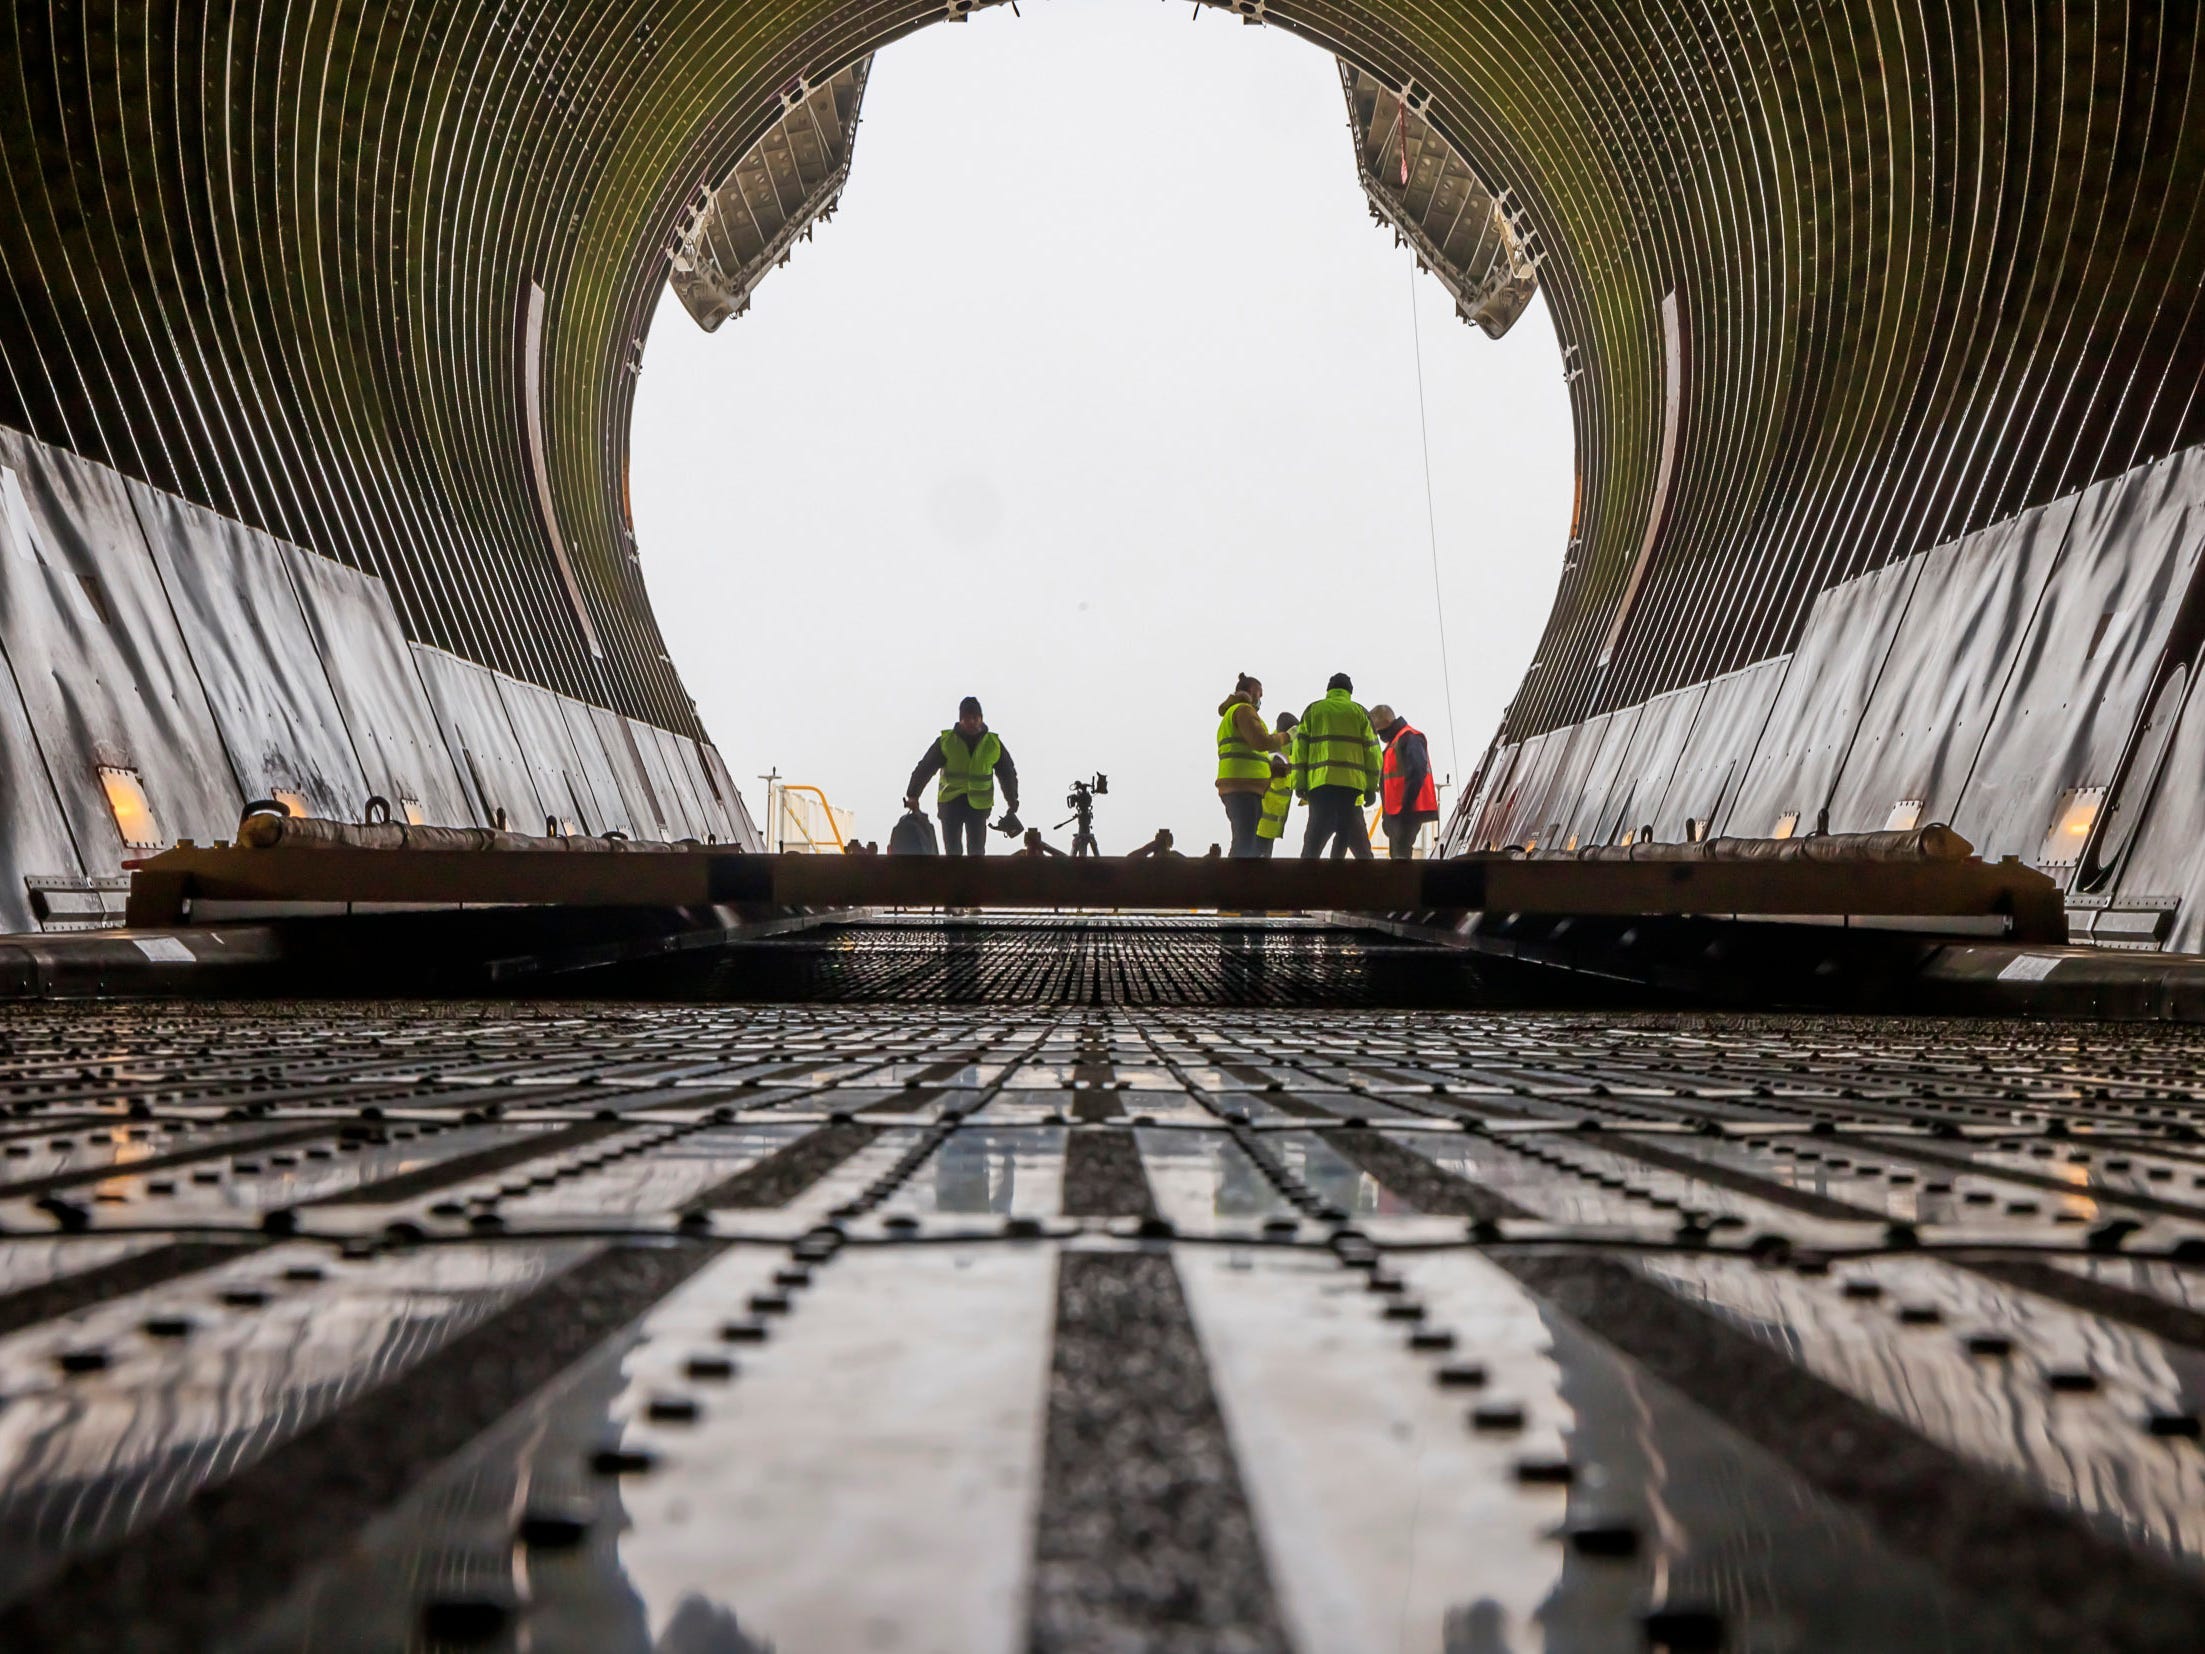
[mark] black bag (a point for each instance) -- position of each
(913, 836)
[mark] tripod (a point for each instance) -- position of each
(1083, 812)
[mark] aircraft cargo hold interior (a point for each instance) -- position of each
(475, 1174)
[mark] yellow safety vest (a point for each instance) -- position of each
(1334, 746)
(1236, 759)
(1276, 803)
(968, 773)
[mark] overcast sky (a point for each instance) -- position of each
(1098, 388)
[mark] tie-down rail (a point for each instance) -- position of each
(1950, 896)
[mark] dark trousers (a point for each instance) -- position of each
(1264, 847)
(1336, 815)
(1401, 831)
(1244, 811)
(964, 828)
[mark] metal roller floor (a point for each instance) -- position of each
(698, 1329)
(1091, 960)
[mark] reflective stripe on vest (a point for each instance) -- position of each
(968, 773)
(1334, 746)
(1427, 795)
(1236, 759)
(1277, 800)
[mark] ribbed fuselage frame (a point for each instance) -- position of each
(1934, 263)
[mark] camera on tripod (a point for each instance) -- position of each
(1081, 802)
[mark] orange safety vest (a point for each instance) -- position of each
(1427, 796)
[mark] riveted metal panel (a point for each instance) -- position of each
(379, 691)
(709, 797)
(1502, 815)
(1333, 1512)
(1603, 807)
(1548, 796)
(34, 839)
(547, 748)
(101, 667)
(878, 1353)
(2166, 867)
(1649, 761)
(1714, 759)
(241, 621)
(672, 802)
(2092, 657)
(1473, 825)
(472, 715)
(1832, 673)
(1884, 247)
(2164, 781)
(152, 1432)
(1581, 790)
(614, 813)
(839, 1297)
(1949, 663)
(745, 830)
(677, 792)
(646, 810)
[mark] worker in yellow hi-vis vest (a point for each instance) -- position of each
(1279, 798)
(1337, 764)
(969, 757)
(1244, 747)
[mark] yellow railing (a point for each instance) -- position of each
(825, 808)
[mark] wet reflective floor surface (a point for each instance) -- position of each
(911, 1327)
(1093, 960)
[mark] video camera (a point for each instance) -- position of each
(1081, 802)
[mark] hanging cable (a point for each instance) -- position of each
(1431, 524)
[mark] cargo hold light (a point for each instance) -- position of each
(2072, 818)
(293, 802)
(132, 810)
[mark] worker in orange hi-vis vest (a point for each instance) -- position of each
(1411, 798)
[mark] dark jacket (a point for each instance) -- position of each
(1005, 771)
(1412, 760)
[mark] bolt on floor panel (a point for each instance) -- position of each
(1089, 959)
(908, 1325)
